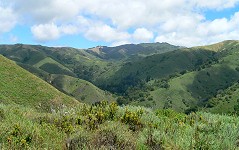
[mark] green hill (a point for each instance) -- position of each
(194, 88)
(48, 62)
(185, 79)
(218, 47)
(61, 63)
(189, 79)
(21, 87)
(155, 75)
(226, 100)
(56, 60)
(80, 89)
(130, 51)
(198, 87)
(194, 80)
(157, 66)
(53, 67)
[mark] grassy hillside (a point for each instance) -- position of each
(56, 60)
(181, 79)
(226, 100)
(131, 50)
(46, 62)
(218, 47)
(197, 81)
(156, 67)
(53, 67)
(21, 87)
(195, 88)
(80, 89)
(83, 64)
(107, 126)
(36, 71)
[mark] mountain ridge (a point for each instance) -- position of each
(139, 79)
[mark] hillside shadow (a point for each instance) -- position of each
(158, 66)
(209, 81)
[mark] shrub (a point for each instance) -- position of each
(113, 135)
(81, 140)
(170, 114)
(132, 119)
(17, 138)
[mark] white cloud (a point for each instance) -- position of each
(142, 35)
(180, 22)
(179, 39)
(7, 19)
(69, 29)
(204, 32)
(45, 11)
(106, 33)
(215, 4)
(134, 13)
(45, 32)
(48, 32)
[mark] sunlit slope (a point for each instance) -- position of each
(80, 89)
(208, 86)
(20, 86)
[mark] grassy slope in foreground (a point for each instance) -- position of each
(21, 87)
(107, 126)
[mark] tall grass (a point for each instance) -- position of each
(108, 126)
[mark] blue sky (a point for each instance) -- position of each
(84, 24)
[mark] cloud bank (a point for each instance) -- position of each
(181, 22)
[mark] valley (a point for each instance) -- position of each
(155, 75)
(167, 98)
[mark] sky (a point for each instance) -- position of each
(89, 23)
